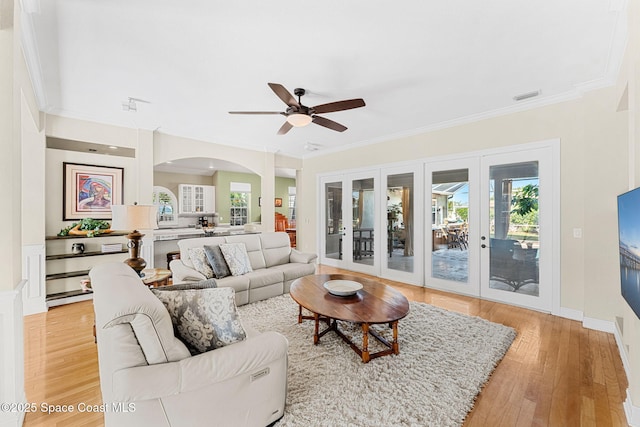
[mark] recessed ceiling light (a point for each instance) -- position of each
(169, 162)
(311, 147)
(211, 167)
(113, 147)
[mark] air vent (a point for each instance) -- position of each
(527, 95)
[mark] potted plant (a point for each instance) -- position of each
(394, 210)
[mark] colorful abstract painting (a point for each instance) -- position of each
(89, 190)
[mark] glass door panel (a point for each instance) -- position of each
(452, 195)
(400, 222)
(402, 215)
(514, 242)
(516, 228)
(333, 229)
(363, 203)
(450, 225)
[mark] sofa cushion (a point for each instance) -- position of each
(217, 261)
(204, 319)
(237, 258)
(264, 277)
(200, 262)
(293, 271)
(276, 248)
(254, 248)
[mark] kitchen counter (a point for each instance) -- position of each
(166, 240)
(189, 233)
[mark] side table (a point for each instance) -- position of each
(154, 277)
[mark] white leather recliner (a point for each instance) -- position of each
(149, 378)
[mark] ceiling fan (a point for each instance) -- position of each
(299, 115)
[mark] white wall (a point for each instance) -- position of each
(11, 106)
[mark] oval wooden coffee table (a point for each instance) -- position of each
(375, 303)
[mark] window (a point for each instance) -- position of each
(292, 206)
(166, 202)
(240, 194)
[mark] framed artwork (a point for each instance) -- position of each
(89, 190)
(278, 202)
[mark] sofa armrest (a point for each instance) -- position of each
(181, 273)
(193, 373)
(302, 257)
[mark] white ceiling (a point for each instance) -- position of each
(418, 65)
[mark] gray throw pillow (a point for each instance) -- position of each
(204, 319)
(237, 258)
(200, 262)
(217, 261)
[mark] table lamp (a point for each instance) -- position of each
(134, 217)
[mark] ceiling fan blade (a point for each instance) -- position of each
(284, 94)
(339, 106)
(286, 127)
(329, 124)
(255, 112)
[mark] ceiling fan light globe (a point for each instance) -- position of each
(298, 120)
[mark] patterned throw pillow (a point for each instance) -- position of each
(217, 261)
(237, 258)
(204, 319)
(200, 263)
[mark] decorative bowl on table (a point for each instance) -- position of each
(342, 288)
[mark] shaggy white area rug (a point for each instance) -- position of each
(445, 358)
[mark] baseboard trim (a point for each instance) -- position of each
(11, 419)
(12, 354)
(632, 412)
(599, 325)
(570, 313)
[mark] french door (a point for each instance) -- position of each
(492, 229)
(452, 234)
(350, 235)
(403, 220)
(517, 248)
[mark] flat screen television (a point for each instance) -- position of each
(629, 242)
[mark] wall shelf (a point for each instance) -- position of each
(64, 270)
(62, 298)
(84, 254)
(117, 233)
(67, 275)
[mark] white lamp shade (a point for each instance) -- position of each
(299, 120)
(134, 217)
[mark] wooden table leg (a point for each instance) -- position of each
(299, 313)
(365, 343)
(394, 345)
(316, 318)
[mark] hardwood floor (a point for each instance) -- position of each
(556, 372)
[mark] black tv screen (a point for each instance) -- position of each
(629, 240)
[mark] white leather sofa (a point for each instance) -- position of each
(149, 378)
(275, 265)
